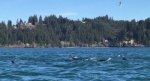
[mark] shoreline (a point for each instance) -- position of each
(80, 47)
(46, 46)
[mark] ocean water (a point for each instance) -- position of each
(53, 64)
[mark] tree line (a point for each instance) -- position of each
(53, 31)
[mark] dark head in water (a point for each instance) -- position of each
(123, 58)
(12, 61)
(102, 60)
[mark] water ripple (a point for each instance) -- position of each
(53, 64)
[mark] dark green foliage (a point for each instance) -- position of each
(51, 30)
(33, 19)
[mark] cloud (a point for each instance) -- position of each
(68, 14)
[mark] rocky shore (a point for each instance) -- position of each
(66, 45)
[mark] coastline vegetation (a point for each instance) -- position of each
(53, 31)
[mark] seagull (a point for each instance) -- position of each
(73, 58)
(120, 3)
(123, 57)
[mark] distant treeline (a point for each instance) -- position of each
(53, 31)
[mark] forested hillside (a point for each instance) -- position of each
(52, 31)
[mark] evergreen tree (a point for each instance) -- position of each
(9, 23)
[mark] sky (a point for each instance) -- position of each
(74, 9)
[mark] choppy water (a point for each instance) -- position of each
(53, 64)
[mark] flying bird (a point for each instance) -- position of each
(120, 3)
